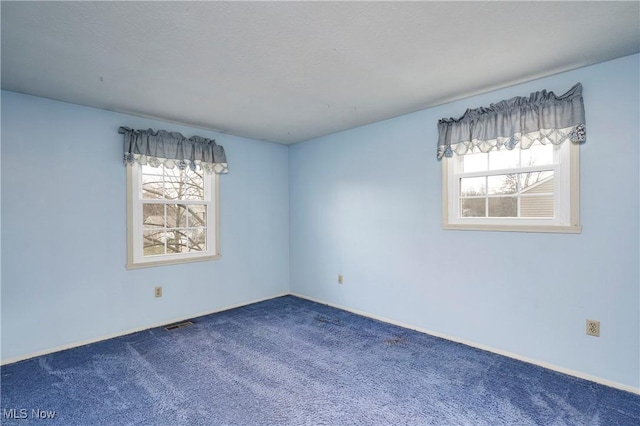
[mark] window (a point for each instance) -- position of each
(172, 215)
(534, 189)
(172, 197)
(514, 165)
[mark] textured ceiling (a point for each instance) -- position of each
(290, 71)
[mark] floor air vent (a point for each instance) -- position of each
(178, 325)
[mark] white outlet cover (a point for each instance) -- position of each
(593, 328)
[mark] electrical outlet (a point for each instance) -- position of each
(593, 328)
(158, 291)
(340, 279)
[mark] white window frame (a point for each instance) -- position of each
(135, 258)
(566, 197)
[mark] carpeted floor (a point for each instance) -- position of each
(288, 361)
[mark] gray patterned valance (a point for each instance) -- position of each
(542, 117)
(173, 150)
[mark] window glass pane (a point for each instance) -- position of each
(197, 216)
(193, 187)
(183, 184)
(504, 159)
(537, 155)
(153, 242)
(152, 187)
(537, 182)
(541, 206)
(473, 186)
(472, 207)
(197, 239)
(177, 241)
(176, 215)
(174, 175)
(153, 215)
(503, 184)
(503, 206)
(148, 170)
(173, 186)
(473, 162)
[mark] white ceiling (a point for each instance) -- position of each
(290, 71)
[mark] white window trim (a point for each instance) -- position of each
(135, 260)
(567, 191)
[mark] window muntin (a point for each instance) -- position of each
(172, 215)
(532, 189)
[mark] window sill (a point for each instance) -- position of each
(570, 229)
(171, 262)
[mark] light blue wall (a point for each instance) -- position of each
(366, 203)
(64, 229)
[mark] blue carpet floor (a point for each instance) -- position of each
(288, 361)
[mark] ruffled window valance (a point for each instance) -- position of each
(172, 150)
(542, 117)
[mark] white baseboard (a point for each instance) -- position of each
(131, 331)
(563, 370)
